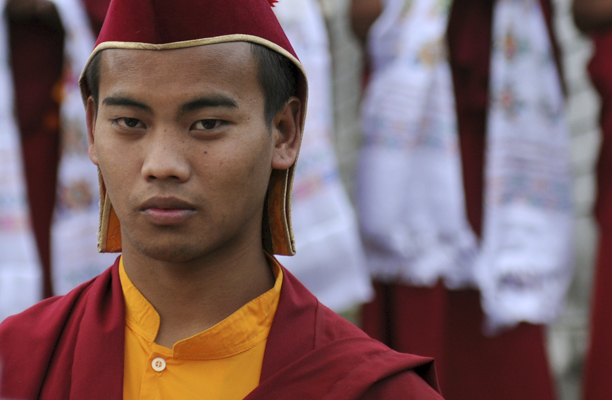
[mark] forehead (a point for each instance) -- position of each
(224, 66)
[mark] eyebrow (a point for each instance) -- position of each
(197, 104)
(125, 102)
(207, 102)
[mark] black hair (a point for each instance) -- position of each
(92, 77)
(277, 75)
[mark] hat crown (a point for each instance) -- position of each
(163, 21)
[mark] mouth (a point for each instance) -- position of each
(166, 211)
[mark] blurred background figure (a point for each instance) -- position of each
(44, 45)
(75, 258)
(330, 259)
(594, 17)
(512, 149)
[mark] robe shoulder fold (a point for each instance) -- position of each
(72, 347)
(68, 347)
(313, 353)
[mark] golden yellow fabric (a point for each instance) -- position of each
(223, 362)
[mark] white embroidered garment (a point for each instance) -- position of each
(525, 263)
(330, 259)
(409, 162)
(75, 258)
(20, 272)
(410, 189)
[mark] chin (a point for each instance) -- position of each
(168, 252)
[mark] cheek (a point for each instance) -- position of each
(115, 153)
(118, 165)
(246, 170)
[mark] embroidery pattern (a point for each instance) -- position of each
(526, 248)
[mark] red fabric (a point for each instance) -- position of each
(37, 51)
(158, 21)
(37, 58)
(71, 347)
(445, 324)
(599, 70)
(597, 383)
(68, 347)
(596, 379)
(96, 11)
(549, 12)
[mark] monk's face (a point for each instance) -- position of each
(184, 150)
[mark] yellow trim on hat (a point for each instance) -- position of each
(278, 204)
(186, 44)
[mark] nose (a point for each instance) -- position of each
(166, 158)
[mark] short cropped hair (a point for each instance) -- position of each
(277, 76)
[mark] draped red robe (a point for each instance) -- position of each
(72, 347)
(37, 59)
(447, 324)
(597, 384)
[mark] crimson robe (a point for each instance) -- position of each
(597, 384)
(37, 59)
(447, 324)
(37, 48)
(72, 347)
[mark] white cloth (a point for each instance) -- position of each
(20, 273)
(525, 263)
(410, 191)
(411, 197)
(330, 259)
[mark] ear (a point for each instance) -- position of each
(90, 109)
(286, 128)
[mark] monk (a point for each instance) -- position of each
(514, 364)
(195, 112)
(37, 43)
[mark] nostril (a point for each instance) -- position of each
(164, 162)
(170, 177)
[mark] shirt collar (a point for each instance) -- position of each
(239, 332)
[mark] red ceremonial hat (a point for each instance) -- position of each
(174, 24)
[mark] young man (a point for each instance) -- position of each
(195, 111)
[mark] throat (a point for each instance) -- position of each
(190, 301)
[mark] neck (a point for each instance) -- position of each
(193, 296)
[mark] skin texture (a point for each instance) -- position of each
(186, 156)
(592, 15)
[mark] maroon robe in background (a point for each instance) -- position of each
(37, 49)
(96, 11)
(72, 347)
(597, 383)
(446, 324)
(37, 58)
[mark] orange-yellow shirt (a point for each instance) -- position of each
(223, 362)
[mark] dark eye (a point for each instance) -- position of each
(129, 122)
(207, 124)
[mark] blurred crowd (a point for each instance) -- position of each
(458, 241)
